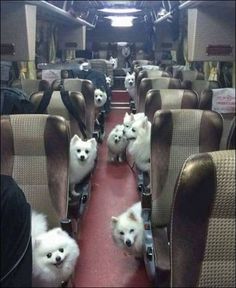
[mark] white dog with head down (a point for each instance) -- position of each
(139, 135)
(128, 230)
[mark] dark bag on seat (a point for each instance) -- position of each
(14, 101)
(16, 249)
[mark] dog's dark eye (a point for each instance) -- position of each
(61, 250)
(133, 130)
(122, 233)
(131, 230)
(78, 150)
(127, 126)
(49, 255)
(86, 151)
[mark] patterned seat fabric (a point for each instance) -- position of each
(169, 99)
(35, 152)
(203, 222)
(155, 83)
(176, 134)
(57, 107)
(228, 112)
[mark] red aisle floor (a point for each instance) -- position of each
(101, 263)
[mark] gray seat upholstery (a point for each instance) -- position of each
(176, 134)
(155, 83)
(35, 152)
(202, 228)
(169, 99)
(206, 103)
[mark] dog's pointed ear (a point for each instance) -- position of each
(126, 114)
(75, 139)
(132, 116)
(93, 141)
(114, 221)
(132, 216)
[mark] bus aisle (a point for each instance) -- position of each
(101, 262)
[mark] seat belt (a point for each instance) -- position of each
(44, 102)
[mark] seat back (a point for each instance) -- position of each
(169, 99)
(231, 137)
(175, 135)
(155, 83)
(222, 101)
(103, 66)
(35, 152)
(30, 86)
(203, 222)
(87, 89)
(189, 75)
(150, 74)
(200, 85)
(57, 107)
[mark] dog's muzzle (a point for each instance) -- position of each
(128, 243)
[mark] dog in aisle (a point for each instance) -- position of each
(117, 143)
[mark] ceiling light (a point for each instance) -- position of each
(121, 21)
(119, 10)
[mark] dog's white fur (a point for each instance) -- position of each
(139, 135)
(128, 230)
(114, 62)
(130, 84)
(39, 224)
(108, 81)
(83, 155)
(129, 119)
(54, 257)
(116, 143)
(100, 97)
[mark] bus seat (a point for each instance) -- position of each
(57, 107)
(150, 74)
(30, 86)
(103, 66)
(176, 134)
(35, 152)
(207, 102)
(202, 230)
(200, 85)
(155, 83)
(169, 99)
(189, 75)
(165, 99)
(87, 89)
(231, 137)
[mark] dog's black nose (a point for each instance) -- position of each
(58, 258)
(82, 157)
(128, 243)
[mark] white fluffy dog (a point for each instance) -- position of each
(117, 142)
(100, 97)
(108, 81)
(128, 230)
(83, 155)
(130, 84)
(39, 225)
(129, 119)
(139, 135)
(54, 257)
(114, 62)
